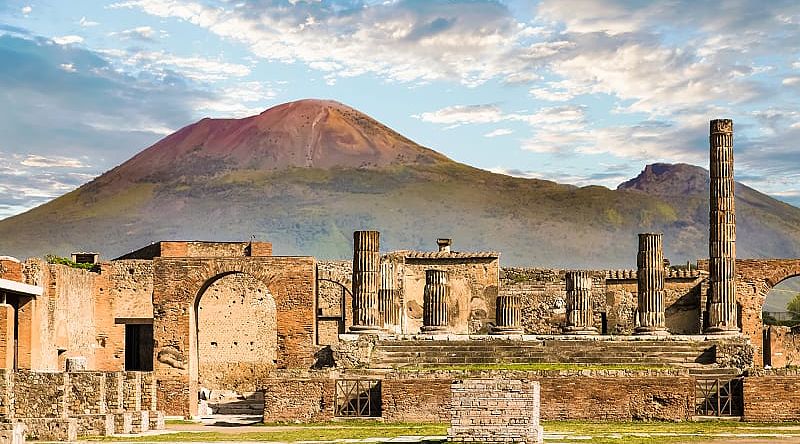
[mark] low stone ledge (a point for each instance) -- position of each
(51, 429)
(95, 425)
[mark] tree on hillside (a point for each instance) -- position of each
(793, 307)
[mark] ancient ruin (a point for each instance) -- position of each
(300, 339)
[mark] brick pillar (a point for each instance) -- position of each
(722, 232)
(434, 306)
(508, 316)
(388, 306)
(7, 339)
(580, 319)
(650, 279)
(366, 280)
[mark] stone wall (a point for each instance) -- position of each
(236, 331)
(415, 400)
(298, 400)
(783, 346)
(200, 249)
(11, 269)
(177, 284)
(334, 300)
(495, 411)
(618, 395)
(473, 291)
(543, 297)
(61, 406)
(772, 396)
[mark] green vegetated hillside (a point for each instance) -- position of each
(234, 180)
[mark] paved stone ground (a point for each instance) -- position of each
(248, 424)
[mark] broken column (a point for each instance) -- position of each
(722, 316)
(650, 318)
(366, 281)
(580, 319)
(508, 316)
(389, 308)
(434, 305)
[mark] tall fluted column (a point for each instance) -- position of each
(650, 278)
(722, 231)
(508, 316)
(388, 306)
(366, 280)
(434, 305)
(580, 319)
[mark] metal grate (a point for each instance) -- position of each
(358, 398)
(718, 397)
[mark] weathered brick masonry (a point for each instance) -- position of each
(62, 406)
(179, 284)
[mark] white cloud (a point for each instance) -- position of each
(499, 132)
(68, 67)
(196, 68)
(27, 9)
(34, 160)
(85, 23)
(140, 32)
(68, 39)
(464, 114)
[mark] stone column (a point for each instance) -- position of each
(580, 318)
(508, 316)
(650, 278)
(388, 306)
(366, 280)
(722, 232)
(434, 306)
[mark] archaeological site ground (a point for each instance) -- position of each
(427, 343)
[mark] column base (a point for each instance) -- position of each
(653, 331)
(722, 330)
(498, 330)
(580, 331)
(434, 330)
(365, 329)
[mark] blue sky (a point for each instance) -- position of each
(582, 92)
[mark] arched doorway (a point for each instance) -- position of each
(236, 343)
(781, 316)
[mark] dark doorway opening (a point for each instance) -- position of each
(139, 347)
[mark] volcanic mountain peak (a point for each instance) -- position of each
(306, 133)
(669, 179)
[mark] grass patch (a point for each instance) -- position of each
(534, 367)
(601, 432)
(300, 432)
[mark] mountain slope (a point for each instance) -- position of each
(304, 175)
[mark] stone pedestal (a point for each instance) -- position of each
(366, 282)
(580, 318)
(650, 319)
(76, 364)
(508, 316)
(434, 306)
(722, 312)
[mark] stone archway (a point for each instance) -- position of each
(755, 278)
(235, 322)
(179, 284)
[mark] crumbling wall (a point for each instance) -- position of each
(474, 288)
(334, 300)
(784, 346)
(237, 336)
(542, 294)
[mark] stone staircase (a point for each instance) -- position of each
(442, 353)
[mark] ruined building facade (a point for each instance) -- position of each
(199, 316)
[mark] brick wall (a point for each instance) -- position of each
(237, 341)
(416, 400)
(772, 398)
(11, 270)
(495, 411)
(608, 395)
(178, 282)
(784, 347)
(303, 400)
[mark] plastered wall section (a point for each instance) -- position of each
(474, 287)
